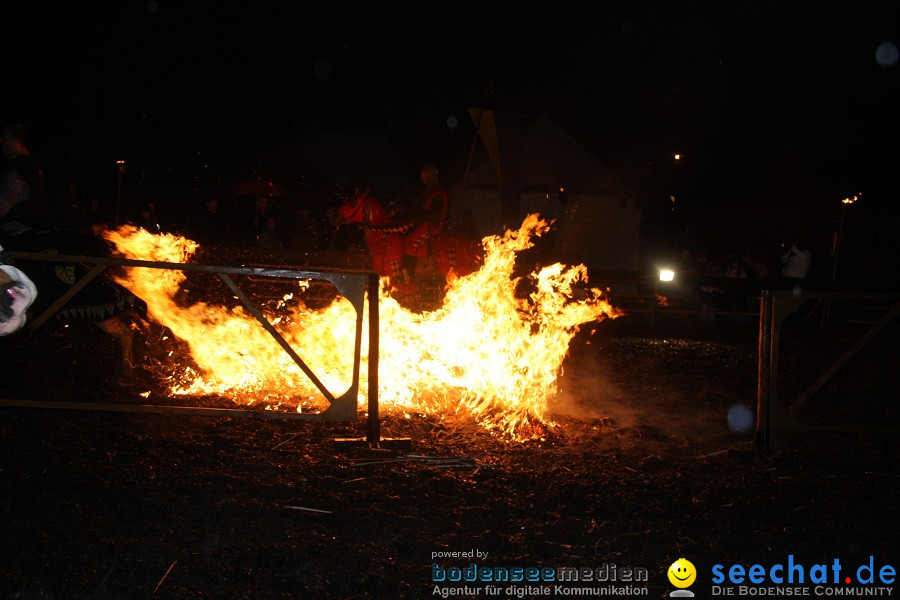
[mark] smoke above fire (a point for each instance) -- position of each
(489, 351)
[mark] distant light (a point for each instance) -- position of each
(677, 157)
(562, 189)
(851, 199)
(886, 55)
(666, 275)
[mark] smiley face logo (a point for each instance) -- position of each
(682, 573)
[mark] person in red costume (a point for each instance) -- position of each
(431, 213)
(383, 238)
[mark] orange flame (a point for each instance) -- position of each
(486, 352)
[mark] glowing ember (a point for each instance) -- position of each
(486, 351)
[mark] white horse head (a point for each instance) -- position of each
(17, 292)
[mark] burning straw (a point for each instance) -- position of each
(487, 352)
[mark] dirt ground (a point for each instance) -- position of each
(642, 469)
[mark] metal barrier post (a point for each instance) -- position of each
(373, 424)
(764, 372)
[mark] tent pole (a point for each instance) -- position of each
(488, 91)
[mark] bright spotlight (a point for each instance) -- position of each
(666, 275)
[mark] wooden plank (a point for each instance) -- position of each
(159, 409)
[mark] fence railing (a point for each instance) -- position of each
(354, 285)
(776, 415)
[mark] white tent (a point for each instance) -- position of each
(596, 220)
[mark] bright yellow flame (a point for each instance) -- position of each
(486, 352)
(851, 199)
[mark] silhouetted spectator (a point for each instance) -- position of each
(96, 214)
(147, 219)
(24, 208)
(306, 236)
(269, 224)
(212, 227)
(466, 226)
(69, 207)
(796, 261)
(270, 237)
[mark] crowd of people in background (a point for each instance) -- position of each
(295, 229)
(729, 281)
(35, 206)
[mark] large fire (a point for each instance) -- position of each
(486, 352)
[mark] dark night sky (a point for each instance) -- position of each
(732, 86)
